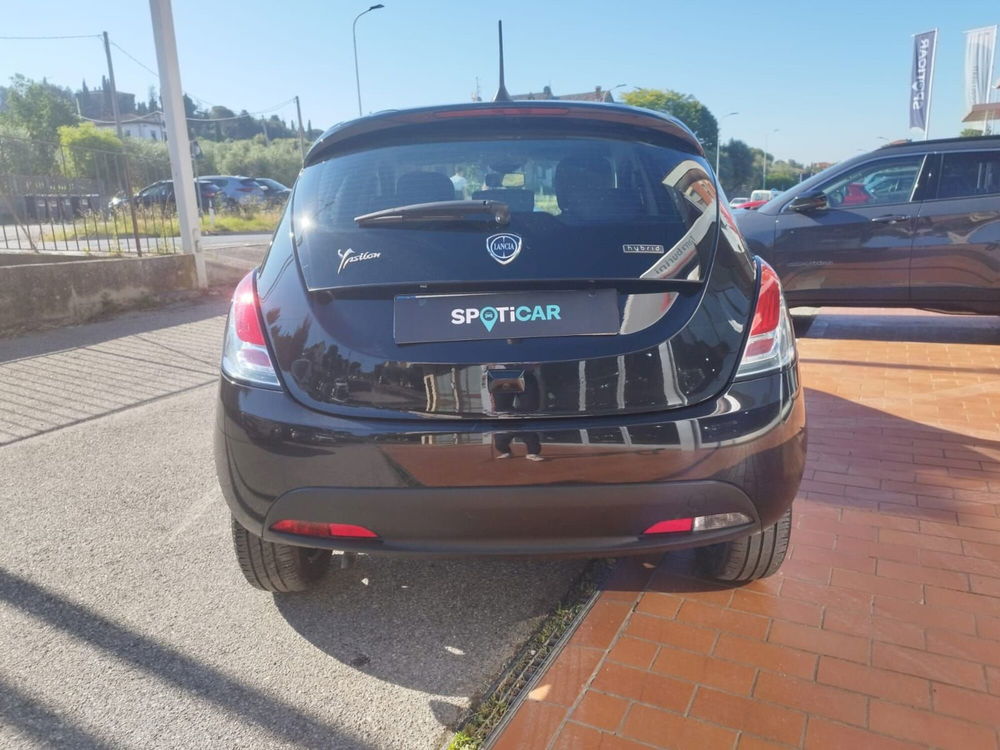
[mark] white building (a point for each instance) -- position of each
(148, 126)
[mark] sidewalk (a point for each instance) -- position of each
(882, 629)
(65, 376)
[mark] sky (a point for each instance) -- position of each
(832, 79)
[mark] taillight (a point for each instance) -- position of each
(672, 526)
(771, 343)
(699, 523)
(323, 530)
(244, 352)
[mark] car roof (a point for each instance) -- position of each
(942, 144)
(897, 148)
(593, 111)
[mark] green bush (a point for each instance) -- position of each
(89, 151)
(280, 159)
(148, 161)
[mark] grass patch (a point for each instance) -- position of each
(236, 223)
(155, 224)
(486, 713)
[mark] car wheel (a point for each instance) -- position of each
(756, 556)
(278, 567)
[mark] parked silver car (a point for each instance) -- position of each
(275, 194)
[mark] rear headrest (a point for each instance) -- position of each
(424, 187)
(577, 176)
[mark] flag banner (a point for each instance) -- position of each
(979, 48)
(920, 78)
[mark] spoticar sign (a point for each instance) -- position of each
(511, 315)
(490, 316)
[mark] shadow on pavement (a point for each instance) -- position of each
(418, 623)
(248, 704)
(43, 726)
(126, 324)
(899, 325)
(64, 377)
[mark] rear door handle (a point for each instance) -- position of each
(890, 219)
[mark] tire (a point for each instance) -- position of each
(752, 557)
(278, 567)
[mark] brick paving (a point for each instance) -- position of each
(881, 630)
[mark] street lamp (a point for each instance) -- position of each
(764, 181)
(354, 33)
(718, 144)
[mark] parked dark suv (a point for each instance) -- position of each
(582, 359)
(914, 224)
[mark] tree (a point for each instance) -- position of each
(276, 128)
(190, 108)
(684, 107)
(38, 108)
(970, 133)
(90, 151)
(736, 170)
(245, 127)
(782, 175)
(148, 161)
(280, 159)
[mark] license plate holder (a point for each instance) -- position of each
(428, 318)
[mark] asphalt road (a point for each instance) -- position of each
(124, 621)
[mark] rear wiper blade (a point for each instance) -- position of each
(494, 213)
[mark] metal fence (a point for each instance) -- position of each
(77, 199)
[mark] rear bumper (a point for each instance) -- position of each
(439, 488)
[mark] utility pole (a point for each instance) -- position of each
(180, 147)
(118, 130)
(114, 91)
(302, 134)
(718, 144)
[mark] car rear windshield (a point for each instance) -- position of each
(577, 179)
(633, 201)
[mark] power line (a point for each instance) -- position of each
(133, 59)
(148, 69)
(198, 98)
(195, 119)
(77, 36)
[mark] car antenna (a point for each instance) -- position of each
(502, 95)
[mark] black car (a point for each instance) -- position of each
(913, 224)
(161, 195)
(584, 359)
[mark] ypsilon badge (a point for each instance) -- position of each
(349, 256)
(503, 247)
